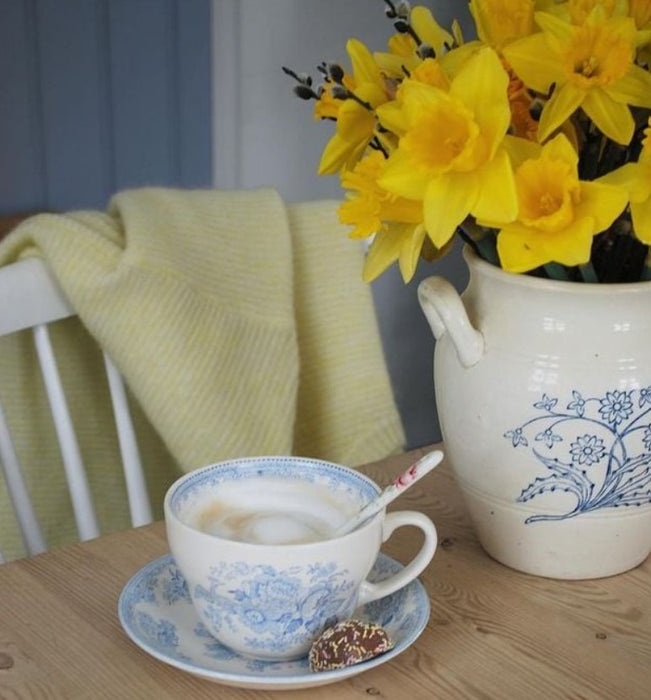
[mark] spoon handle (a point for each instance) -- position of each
(409, 477)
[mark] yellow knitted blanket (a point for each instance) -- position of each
(241, 327)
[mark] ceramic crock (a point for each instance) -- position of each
(543, 390)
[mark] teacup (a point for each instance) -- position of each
(254, 539)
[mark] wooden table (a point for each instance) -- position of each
(493, 632)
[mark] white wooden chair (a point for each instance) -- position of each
(30, 298)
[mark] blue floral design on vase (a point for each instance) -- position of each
(597, 449)
(288, 606)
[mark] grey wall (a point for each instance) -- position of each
(100, 95)
(265, 137)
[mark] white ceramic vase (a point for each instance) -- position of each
(543, 390)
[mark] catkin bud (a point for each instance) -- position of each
(304, 92)
(403, 9)
(426, 51)
(336, 72)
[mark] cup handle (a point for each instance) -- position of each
(372, 591)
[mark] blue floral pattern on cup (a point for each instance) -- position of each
(597, 449)
(276, 604)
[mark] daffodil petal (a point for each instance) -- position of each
(355, 123)
(448, 201)
(410, 250)
(625, 176)
(452, 61)
(382, 253)
(400, 177)
(560, 148)
(338, 153)
(429, 30)
(634, 88)
(393, 117)
(612, 118)
(497, 198)
(481, 85)
(533, 62)
(515, 251)
(520, 149)
(641, 213)
(563, 103)
(573, 245)
(365, 69)
(557, 27)
(401, 209)
(604, 203)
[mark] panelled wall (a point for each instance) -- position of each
(101, 95)
(266, 137)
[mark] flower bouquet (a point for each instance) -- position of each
(531, 142)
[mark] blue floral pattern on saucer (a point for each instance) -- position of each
(156, 612)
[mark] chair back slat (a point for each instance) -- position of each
(82, 503)
(30, 294)
(139, 505)
(17, 491)
(31, 298)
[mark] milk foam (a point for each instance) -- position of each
(271, 511)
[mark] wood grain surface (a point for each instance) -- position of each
(493, 632)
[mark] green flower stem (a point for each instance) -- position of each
(588, 273)
(483, 240)
(646, 272)
(556, 272)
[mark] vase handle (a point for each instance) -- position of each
(446, 313)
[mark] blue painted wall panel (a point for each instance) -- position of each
(195, 101)
(73, 112)
(144, 86)
(101, 95)
(22, 160)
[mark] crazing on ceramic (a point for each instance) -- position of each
(156, 612)
(598, 448)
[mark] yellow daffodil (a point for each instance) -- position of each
(368, 204)
(577, 11)
(558, 214)
(429, 30)
(429, 72)
(403, 48)
(396, 222)
(355, 117)
(640, 11)
(500, 22)
(449, 154)
(591, 66)
(327, 107)
(636, 178)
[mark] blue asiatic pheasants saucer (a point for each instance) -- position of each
(156, 612)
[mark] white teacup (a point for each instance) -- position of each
(270, 597)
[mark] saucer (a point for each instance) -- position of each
(156, 613)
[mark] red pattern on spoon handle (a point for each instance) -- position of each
(409, 477)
